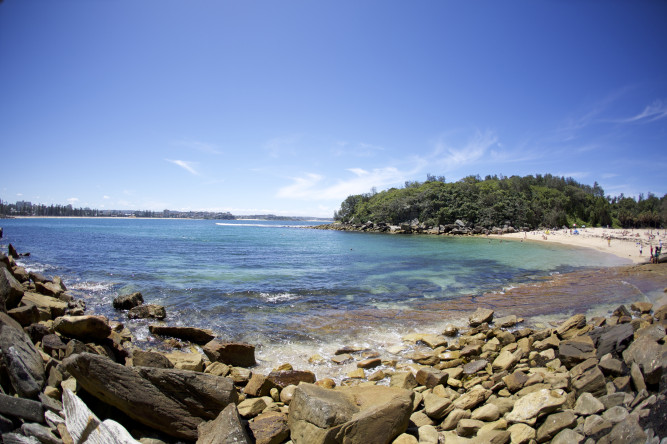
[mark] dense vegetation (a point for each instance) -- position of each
(530, 201)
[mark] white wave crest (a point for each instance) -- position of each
(280, 297)
(91, 286)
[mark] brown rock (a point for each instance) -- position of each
(641, 307)
(142, 358)
(284, 378)
(147, 311)
(259, 385)
(270, 428)
(21, 359)
(227, 428)
(86, 327)
(576, 322)
(192, 334)
(233, 353)
(11, 290)
(431, 377)
(128, 301)
(369, 363)
(480, 316)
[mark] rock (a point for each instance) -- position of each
(12, 252)
(428, 435)
(506, 360)
(259, 385)
(596, 426)
(506, 322)
(615, 414)
(38, 277)
(142, 358)
(233, 353)
(567, 436)
(521, 433)
(284, 378)
(227, 428)
(473, 367)
(152, 311)
(48, 289)
(217, 369)
(612, 367)
(21, 358)
(574, 351)
(270, 428)
(83, 426)
(48, 304)
(196, 335)
(404, 380)
(25, 409)
(405, 438)
(627, 431)
(252, 407)
(128, 301)
(574, 323)
(42, 433)
(421, 419)
(369, 363)
(613, 339)
(515, 381)
(637, 377)
(647, 353)
(468, 427)
(342, 358)
(186, 361)
(641, 307)
(287, 394)
(430, 377)
(11, 290)
(86, 328)
(434, 341)
(360, 414)
(435, 406)
(52, 343)
(25, 314)
(480, 316)
(554, 423)
(471, 399)
(487, 413)
(591, 380)
(21, 274)
(450, 330)
(158, 391)
(453, 418)
(527, 408)
(588, 404)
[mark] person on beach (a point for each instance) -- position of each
(609, 241)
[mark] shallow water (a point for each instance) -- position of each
(294, 291)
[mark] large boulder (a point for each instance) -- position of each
(128, 301)
(85, 328)
(11, 290)
(192, 334)
(527, 408)
(52, 306)
(227, 428)
(348, 414)
(152, 396)
(480, 316)
(284, 378)
(237, 354)
(147, 311)
(21, 359)
(649, 356)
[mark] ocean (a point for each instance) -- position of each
(293, 291)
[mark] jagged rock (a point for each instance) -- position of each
(588, 404)
(404, 380)
(574, 351)
(25, 314)
(158, 391)
(48, 289)
(430, 377)
(196, 335)
(22, 408)
(285, 378)
(554, 423)
(612, 367)
(576, 322)
(506, 322)
(587, 377)
(252, 407)
(11, 290)
(270, 428)
(596, 426)
(21, 358)
(259, 385)
(42, 433)
(227, 428)
(233, 353)
(473, 367)
(141, 358)
(527, 408)
(147, 311)
(613, 339)
(84, 426)
(648, 355)
(567, 436)
(86, 328)
(360, 414)
(627, 431)
(12, 252)
(186, 361)
(453, 418)
(515, 381)
(128, 301)
(480, 316)
(48, 304)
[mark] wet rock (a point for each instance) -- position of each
(270, 428)
(86, 328)
(369, 363)
(361, 414)
(284, 378)
(12, 252)
(128, 301)
(158, 391)
(480, 316)
(641, 307)
(227, 428)
(527, 408)
(233, 353)
(450, 330)
(195, 335)
(152, 311)
(22, 360)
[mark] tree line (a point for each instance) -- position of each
(523, 202)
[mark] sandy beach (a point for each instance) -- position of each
(620, 242)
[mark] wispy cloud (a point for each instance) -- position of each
(198, 146)
(279, 146)
(310, 186)
(187, 166)
(73, 200)
(655, 111)
(450, 157)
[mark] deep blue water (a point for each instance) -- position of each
(261, 281)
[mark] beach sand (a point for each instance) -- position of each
(625, 243)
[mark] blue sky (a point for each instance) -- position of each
(288, 107)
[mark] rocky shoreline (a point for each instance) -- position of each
(415, 227)
(71, 377)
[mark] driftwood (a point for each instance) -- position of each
(84, 427)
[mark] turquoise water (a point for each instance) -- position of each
(267, 281)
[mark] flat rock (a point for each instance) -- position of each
(21, 358)
(186, 361)
(157, 391)
(641, 307)
(480, 316)
(270, 428)
(430, 377)
(554, 423)
(473, 367)
(85, 328)
(575, 322)
(196, 335)
(572, 352)
(128, 301)
(22, 408)
(148, 311)
(360, 414)
(284, 378)
(435, 406)
(48, 304)
(506, 321)
(227, 428)
(527, 408)
(251, 407)
(521, 433)
(237, 354)
(404, 380)
(567, 436)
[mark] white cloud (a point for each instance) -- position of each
(19, 194)
(451, 157)
(188, 166)
(309, 187)
(655, 111)
(106, 197)
(73, 200)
